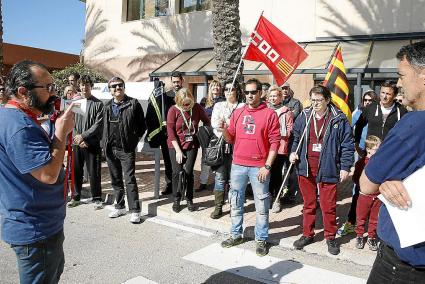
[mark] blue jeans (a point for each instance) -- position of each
(240, 175)
(41, 262)
(222, 173)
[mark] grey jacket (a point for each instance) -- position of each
(294, 105)
(90, 126)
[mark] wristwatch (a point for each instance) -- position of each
(268, 167)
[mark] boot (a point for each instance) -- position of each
(219, 202)
(176, 205)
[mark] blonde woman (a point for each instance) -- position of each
(182, 125)
(286, 123)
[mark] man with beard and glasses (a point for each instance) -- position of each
(86, 139)
(32, 202)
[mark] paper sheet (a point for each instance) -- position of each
(410, 224)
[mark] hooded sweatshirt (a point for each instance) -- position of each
(254, 132)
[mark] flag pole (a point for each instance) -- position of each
(244, 52)
(276, 202)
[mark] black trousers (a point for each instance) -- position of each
(187, 165)
(388, 268)
(276, 175)
(167, 163)
(120, 162)
(91, 157)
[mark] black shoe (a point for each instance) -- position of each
(302, 242)
(167, 190)
(333, 247)
(359, 242)
(373, 244)
(176, 206)
(202, 187)
(261, 249)
(230, 242)
(190, 206)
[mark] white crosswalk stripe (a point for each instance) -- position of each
(266, 269)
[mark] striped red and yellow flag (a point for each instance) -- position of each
(336, 81)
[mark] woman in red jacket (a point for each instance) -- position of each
(182, 125)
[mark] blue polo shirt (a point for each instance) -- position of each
(400, 155)
(29, 210)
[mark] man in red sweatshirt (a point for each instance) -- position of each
(254, 131)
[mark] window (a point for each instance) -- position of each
(144, 9)
(194, 5)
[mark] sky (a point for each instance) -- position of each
(48, 24)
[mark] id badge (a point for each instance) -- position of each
(188, 138)
(317, 147)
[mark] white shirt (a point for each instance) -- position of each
(222, 112)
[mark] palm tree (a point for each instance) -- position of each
(226, 38)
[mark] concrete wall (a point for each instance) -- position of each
(134, 49)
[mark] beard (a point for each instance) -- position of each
(46, 108)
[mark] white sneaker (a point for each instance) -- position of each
(135, 217)
(117, 213)
(277, 207)
(98, 205)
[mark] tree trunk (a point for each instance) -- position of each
(227, 38)
(1, 40)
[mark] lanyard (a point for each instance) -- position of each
(188, 125)
(32, 115)
(323, 125)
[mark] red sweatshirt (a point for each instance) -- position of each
(254, 132)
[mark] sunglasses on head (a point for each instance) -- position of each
(251, 92)
(114, 86)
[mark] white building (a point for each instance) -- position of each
(140, 39)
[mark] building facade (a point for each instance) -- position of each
(141, 39)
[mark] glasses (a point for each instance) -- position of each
(229, 89)
(316, 100)
(399, 101)
(251, 92)
(51, 88)
(368, 100)
(1, 89)
(187, 104)
(121, 85)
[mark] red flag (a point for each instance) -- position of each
(271, 46)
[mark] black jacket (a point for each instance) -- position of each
(90, 126)
(132, 124)
(152, 121)
(372, 116)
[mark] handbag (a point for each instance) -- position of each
(214, 153)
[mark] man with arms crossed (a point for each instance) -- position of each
(32, 201)
(401, 154)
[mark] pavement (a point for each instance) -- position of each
(285, 227)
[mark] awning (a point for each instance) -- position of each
(367, 56)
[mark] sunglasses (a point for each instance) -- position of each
(1, 89)
(121, 85)
(368, 100)
(399, 101)
(317, 100)
(51, 88)
(187, 104)
(251, 92)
